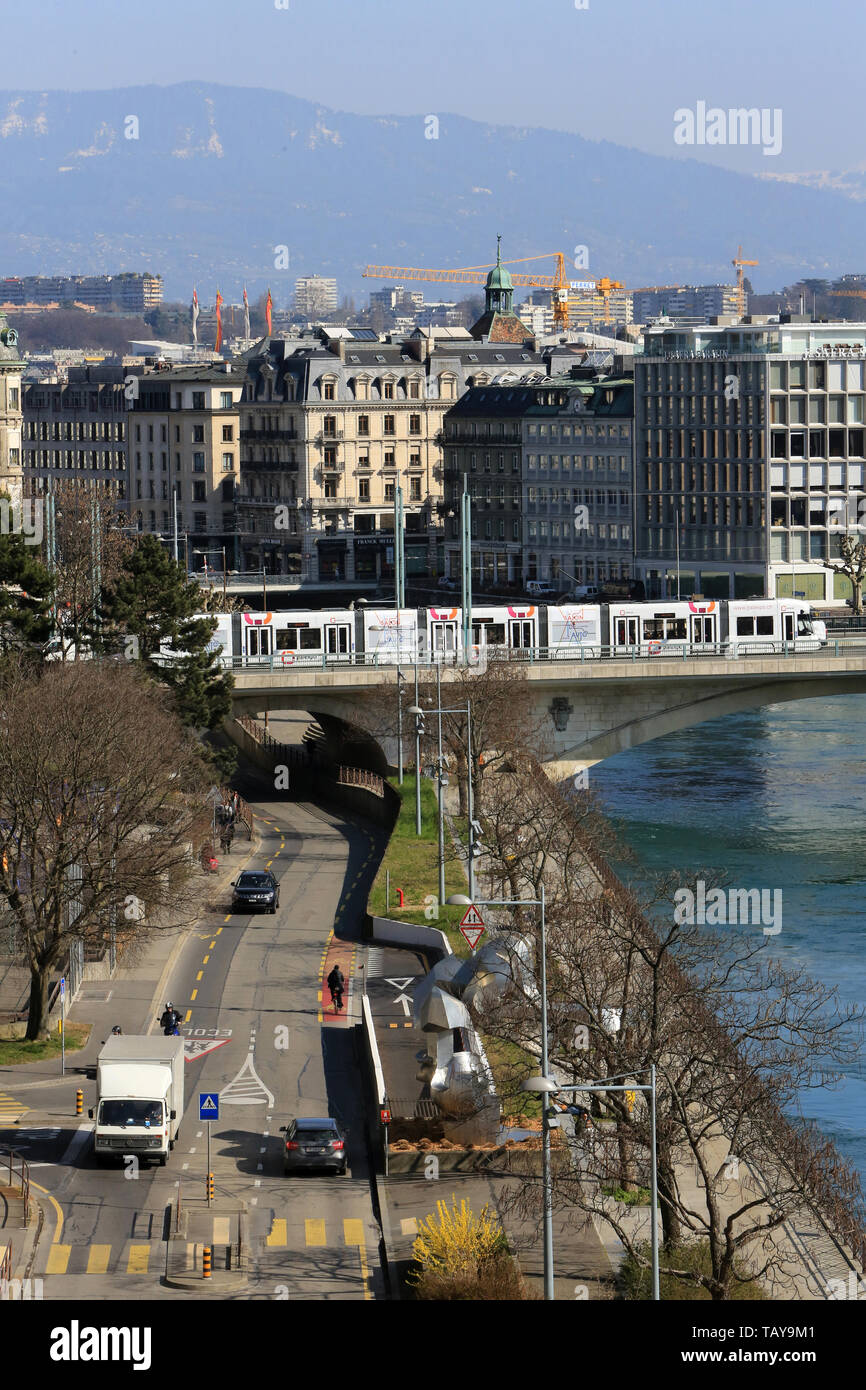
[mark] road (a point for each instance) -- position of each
(250, 990)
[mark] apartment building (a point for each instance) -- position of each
(549, 470)
(184, 440)
(130, 290)
(688, 305)
(315, 296)
(77, 430)
(588, 309)
(11, 417)
(751, 443)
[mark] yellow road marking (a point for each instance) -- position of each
(188, 1015)
(199, 975)
(139, 1256)
(321, 1020)
(269, 863)
(206, 959)
(195, 992)
(97, 1262)
(392, 1025)
(219, 929)
(210, 948)
(315, 1231)
(58, 1231)
(353, 1231)
(319, 995)
(222, 1230)
(58, 1259)
(278, 1234)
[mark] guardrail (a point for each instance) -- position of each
(20, 1170)
(360, 777)
(584, 653)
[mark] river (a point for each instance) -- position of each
(773, 798)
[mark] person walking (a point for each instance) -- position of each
(336, 984)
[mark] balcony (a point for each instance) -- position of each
(334, 503)
(323, 438)
(270, 465)
(250, 436)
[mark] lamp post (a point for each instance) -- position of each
(545, 1084)
(469, 798)
(418, 712)
(400, 679)
(535, 1083)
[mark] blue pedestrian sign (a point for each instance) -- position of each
(62, 986)
(208, 1106)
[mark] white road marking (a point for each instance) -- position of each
(77, 1142)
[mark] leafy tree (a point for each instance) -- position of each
(853, 565)
(152, 601)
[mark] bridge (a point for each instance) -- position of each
(592, 708)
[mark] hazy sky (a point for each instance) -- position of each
(617, 70)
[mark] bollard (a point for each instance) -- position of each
(79, 1102)
(400, 896)
(206, 1262)
(210, 1187)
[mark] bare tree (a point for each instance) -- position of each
(852, 565)
(90, 549)
(100, 787)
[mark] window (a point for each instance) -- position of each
(199, 521)
(389, 492)
(415, 489)
(330, 456)
(330, 427)
(415, 389)
(198, 463)
(363, 459)
(225, 400)
(198, 400)
(363, 489)
(414, 424)
(415, 459)
(228, 463)
(390, 424)
(228, 434)
(329, 391)
(199, 492)
(389, 459)
(388, 390)
(364, 424)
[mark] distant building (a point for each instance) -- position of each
(592, 310)
(75, 430)
(315, 296)
(130, 291)
(689, 305)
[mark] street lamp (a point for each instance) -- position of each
(418, 712)
(400, 679)
(438, 710)
(541, 1083)
(544, 1084)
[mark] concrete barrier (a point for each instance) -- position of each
(392, 933)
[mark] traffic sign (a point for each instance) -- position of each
(473, 935)
(208, 1106)
(472, 918)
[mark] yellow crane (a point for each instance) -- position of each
(738, 264)
(476, 275)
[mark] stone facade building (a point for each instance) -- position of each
(11, 418)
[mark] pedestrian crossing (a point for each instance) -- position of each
(131, 1257)
(318, 1232)
(11, 1109)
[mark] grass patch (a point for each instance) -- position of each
(14, 1050)
(511, 1065)
(639, 1198)
(637, 1282)
(413, 862)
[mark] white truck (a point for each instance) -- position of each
(139, 1090)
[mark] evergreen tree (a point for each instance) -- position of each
(25, 586)
(152, 600)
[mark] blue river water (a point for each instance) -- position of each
(773, 798)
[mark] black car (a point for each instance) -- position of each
(256, 889)
(314, 1144)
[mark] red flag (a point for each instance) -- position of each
(269, 313)
(219, 322)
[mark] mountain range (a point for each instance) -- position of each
(204, 183)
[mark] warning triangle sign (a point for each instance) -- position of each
(473, 935)
(193, 1048)
(472, 918)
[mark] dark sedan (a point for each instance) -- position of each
(255, 891)
(314, 1144)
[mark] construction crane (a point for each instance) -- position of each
(476, 275)
(738, 264)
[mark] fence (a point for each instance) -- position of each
(359, 777)
(19, 1169)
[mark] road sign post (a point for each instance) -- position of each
(472, 926)
(63, 1025)
(208, 1110)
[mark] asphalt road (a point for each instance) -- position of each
(250, 985)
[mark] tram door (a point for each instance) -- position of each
(521, 634)
(337, 640)
(258, 641)
(788, 626)
(703, 628)
(626, 632)
(443, 636)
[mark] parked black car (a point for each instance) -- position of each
(314, 1144)
(255, 889)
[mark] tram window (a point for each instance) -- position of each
(745, 627)
(495, 634)
(311, 641)
(287, 639)
(676, 628)
(653, 629)
(764, 626)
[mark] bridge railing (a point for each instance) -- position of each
(583, 653)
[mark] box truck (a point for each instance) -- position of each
(139, 1097)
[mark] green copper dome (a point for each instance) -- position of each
(499, 278)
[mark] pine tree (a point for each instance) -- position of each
(25, 586)
(153, 601)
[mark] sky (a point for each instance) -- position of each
(614, 69)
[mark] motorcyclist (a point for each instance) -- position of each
(170, 1020)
